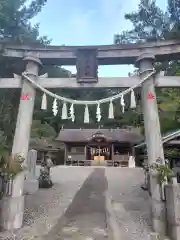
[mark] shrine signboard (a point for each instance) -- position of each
(87, 65)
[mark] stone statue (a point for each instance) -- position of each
(44, 178)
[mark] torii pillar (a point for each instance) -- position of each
(154, 144)
(13, 206)
(26, 109)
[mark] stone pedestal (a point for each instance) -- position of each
(31, 184)
(173, 210)
(12, 207)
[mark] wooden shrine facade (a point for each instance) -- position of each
(108, 146)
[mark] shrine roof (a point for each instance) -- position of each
(113, 135)
(165, 137)
(43, 144)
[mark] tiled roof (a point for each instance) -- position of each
(43, 143)
(165, 138)
(85, 135)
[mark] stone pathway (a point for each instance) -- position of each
(86, 216)
(87, 203)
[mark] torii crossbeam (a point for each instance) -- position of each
(103, 82)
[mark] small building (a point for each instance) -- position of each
(105, 145)
(45, 146)
(171, 144)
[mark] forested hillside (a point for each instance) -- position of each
(149, 24)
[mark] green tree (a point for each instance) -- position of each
(150, 23)
(15, 27)
(40, 130)
(15, 21)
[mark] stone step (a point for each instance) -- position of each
(98, 163)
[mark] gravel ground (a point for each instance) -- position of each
(53, 209)
(129, 202)
(44, 208)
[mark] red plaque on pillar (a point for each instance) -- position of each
(25, 97)
(150, 96)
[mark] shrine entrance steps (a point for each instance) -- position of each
(108, 163)
(98, 163)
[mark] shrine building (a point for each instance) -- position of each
(106, 146)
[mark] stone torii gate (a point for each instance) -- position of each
(87, 59)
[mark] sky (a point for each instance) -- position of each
(88, 22)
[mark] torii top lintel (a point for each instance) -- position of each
(106, 55)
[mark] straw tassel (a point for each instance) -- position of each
(55, 107)
(72, 115)
(111, 110)
(133, 100)
(64, 114)
(86, 114)
(98, 113)
(122, 103)
(44, 102)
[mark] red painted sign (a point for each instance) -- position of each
(25, 97)
(151, 96)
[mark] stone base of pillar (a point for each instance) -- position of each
(174, 232)
(173, 210)
(158, 225)
(158, 208)
(31, 186)
(159, 221)
(12, 210)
